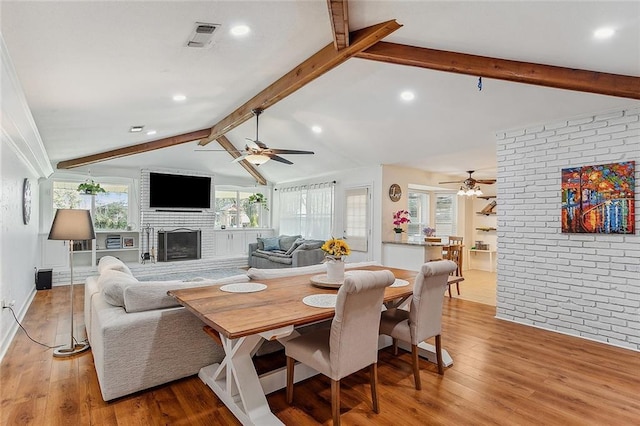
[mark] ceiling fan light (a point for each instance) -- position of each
(478, 191)
(257, 159)
(461, 191)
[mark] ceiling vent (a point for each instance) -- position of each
(202, 35)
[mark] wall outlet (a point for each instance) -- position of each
(8, 303)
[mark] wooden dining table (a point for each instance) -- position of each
(243, 321)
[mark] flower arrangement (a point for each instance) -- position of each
(428, 231)
(399, 218)
(336, 248)
(258, 198)
(90, 187)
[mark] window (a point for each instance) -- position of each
(418, 203)
(446, 215)
(357, 218)
(420, 208)
(234, 210)
(307, 210)
(110, 209)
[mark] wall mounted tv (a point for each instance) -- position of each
(179, 191)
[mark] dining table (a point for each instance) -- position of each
(242, 316)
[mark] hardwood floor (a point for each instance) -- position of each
(503, 373)
(478, 286)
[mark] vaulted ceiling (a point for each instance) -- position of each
(91, 70)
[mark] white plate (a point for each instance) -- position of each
(321, 300)
(399, 283)
(243, 287)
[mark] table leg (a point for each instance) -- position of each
(236, 382)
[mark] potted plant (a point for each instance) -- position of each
(400, 218)
(429, 235)
(257, 199)
(90, 187)
(335, 249)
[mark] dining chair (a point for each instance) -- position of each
(351, 343)
(454, 253)
(423, 320)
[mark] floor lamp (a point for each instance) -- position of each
(72, 224)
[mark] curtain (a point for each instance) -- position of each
(307, 210)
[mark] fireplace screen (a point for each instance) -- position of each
(179, 244)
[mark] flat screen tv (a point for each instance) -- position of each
(179, 191)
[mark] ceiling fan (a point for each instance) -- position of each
(470, 185)
(257, 153)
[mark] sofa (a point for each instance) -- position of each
(285, 251)
(140, 337)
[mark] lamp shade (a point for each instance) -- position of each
(257, 159)
(72, 224)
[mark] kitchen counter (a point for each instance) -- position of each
(410, 254)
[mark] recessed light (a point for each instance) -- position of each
(179, 98)
(240, 30)
(407, 95)
(604, 33)
(316, 129)
(151, 132)
(136, 129)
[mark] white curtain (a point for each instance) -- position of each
(307, 210)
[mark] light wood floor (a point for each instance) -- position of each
(503, 373)
(478, 286)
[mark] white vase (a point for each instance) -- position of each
(397, 237)
(335, 270)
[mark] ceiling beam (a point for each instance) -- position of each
(324, 60)
(339, 14)
(228, 146)
(134, 149)
(521, 72)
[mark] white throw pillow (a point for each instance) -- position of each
(112, 263)
(112, 283)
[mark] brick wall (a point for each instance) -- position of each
(170, 220)
(586, 285)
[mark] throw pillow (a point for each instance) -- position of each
(109, 262)
(310, 245)
(113, 283)
(286, 241)
(271, 243)
(297, 243)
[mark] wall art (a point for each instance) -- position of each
(599, 199)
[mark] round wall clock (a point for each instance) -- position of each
(395, 192)
(26, 201)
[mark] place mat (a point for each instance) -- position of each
(321, 300)
(243, 287)
(399, 283)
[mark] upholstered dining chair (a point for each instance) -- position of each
(423, 320)
(351, 343)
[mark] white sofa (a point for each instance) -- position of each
(139, 336)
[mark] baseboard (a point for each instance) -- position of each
(13, 329)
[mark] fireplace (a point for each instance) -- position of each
(179, 244)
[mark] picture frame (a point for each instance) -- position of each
(128, 242)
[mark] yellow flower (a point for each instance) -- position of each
(336, 248)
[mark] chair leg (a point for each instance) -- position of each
(416, 366)
(439, 355)
(373, 373)
(449, 289)
(335, 401)
(290, 366)
(458, 288)
(395, 346)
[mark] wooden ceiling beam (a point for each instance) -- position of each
(228, 146)
(324, 60)
(521, 72)
(134, 149)
(339, 14)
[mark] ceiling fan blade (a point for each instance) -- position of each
(253, 143)
(486, 181)
(290, 151)
(238, 159)
(279, 159)
(452, 181)
(260, 144)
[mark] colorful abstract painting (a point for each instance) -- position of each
(599, 199)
